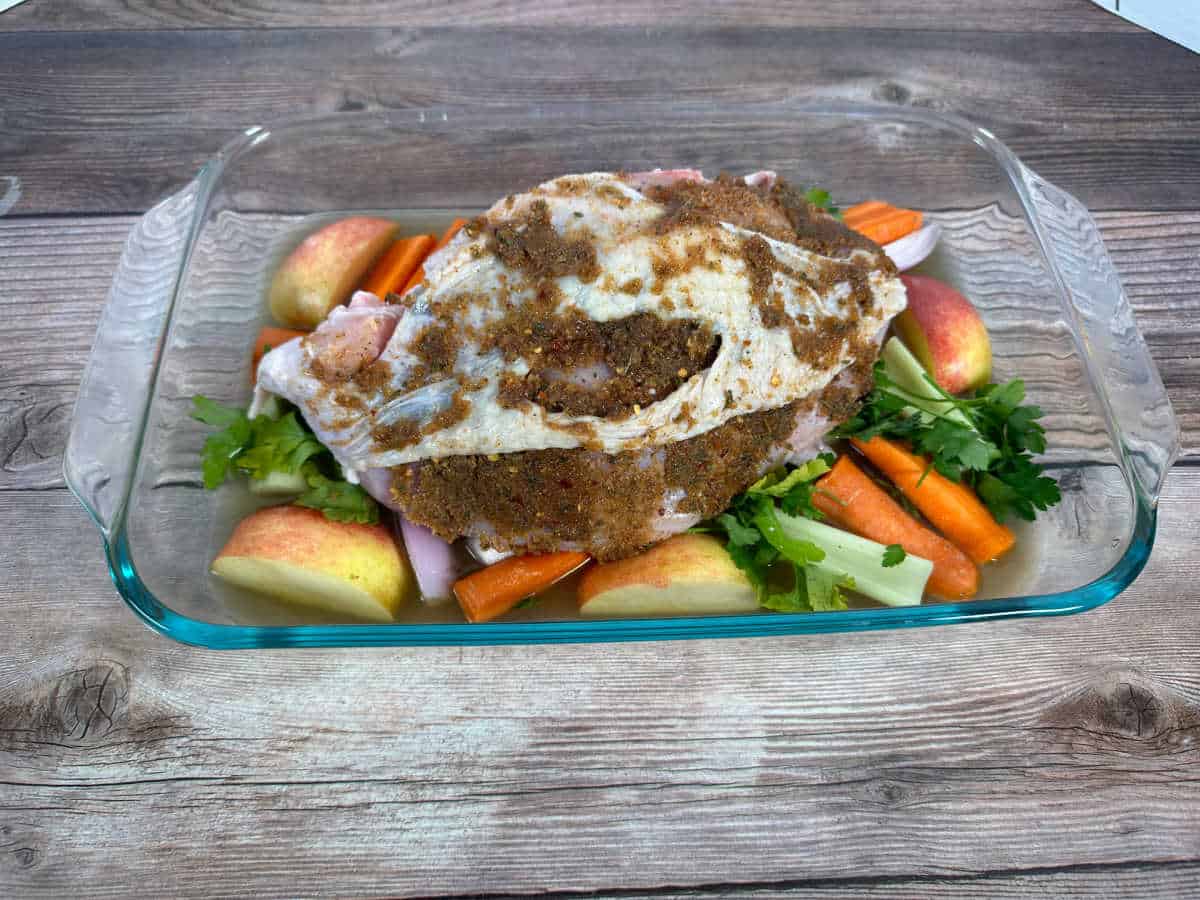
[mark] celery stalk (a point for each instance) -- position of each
(278, 484)
(908, 373)
(848, 554)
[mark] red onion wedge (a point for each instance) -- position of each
(436, 563)
(912, 249)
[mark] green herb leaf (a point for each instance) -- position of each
(278, 445)
(988, 442)
(739, 534)
(215, 414)
(265, 445)
(809, 471)
(220, 449)
(825, 590)
(338, 500)
(893, 556)
(820, 198)
(812, 590)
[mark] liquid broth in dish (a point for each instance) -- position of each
(601, 363)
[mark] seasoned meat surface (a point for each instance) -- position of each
(599, 362)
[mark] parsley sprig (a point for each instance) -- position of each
(987, 441)
(784, 559)
(821, 199)
(260, 446)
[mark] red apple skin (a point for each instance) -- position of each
(945, 332)
(324, 269)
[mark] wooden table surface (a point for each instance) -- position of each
(1043, 758)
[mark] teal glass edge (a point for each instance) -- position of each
(218, 636)
(239, 637)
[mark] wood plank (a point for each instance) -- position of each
(1113, 882)
(58, 272)
(1075, 16)
(128, 763)
(109, 122)
(56, 276)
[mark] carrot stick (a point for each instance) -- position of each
(862, 212)
(493, 591)
(952, 508)
(419, 275)
(880, 221)
(852, 500)
(268, 339)
(397, 265)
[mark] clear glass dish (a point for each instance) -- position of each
(187, 301)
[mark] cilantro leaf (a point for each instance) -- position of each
(278, 445)
(223, 447)
(820, 198)
(263, 445)
(220, 451)
(739, 534)
(893, 556)
(986, 441)
(825, 590)
(338, 500)
(812, 590)
(809, 471)
(210, 412)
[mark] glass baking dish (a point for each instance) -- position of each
(188, 298)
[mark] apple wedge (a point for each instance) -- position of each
(689, 574)
(327, 266)
(945, 332)
(298, 556)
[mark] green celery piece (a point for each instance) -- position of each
(278, 484)
(906, 370)
(808, 471)
(271, 407)
(848, 554)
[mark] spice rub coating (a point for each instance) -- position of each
(610, 506)
(587, 313)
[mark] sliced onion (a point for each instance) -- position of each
(436, 563)
(913, 249)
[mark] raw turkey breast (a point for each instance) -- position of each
(599, 362)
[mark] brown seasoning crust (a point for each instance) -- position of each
(539, 501)
(530, 244)
(544, 500)
(649, 357)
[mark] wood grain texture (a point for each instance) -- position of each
(110, 121)
(1162, 880)
(130, 765)
(1073, 16)
(1045, 758)
(58, 270)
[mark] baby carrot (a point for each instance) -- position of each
(268, 339)
(952, 508)
(880, 221)
(493, 591)
(852, 500)
(396, 266)
(419, 275)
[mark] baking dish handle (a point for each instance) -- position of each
(115, 391)
(1139, 412)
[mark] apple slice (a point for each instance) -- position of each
(329, 263)
(945, 332)
(689, 574)
(298, 556)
